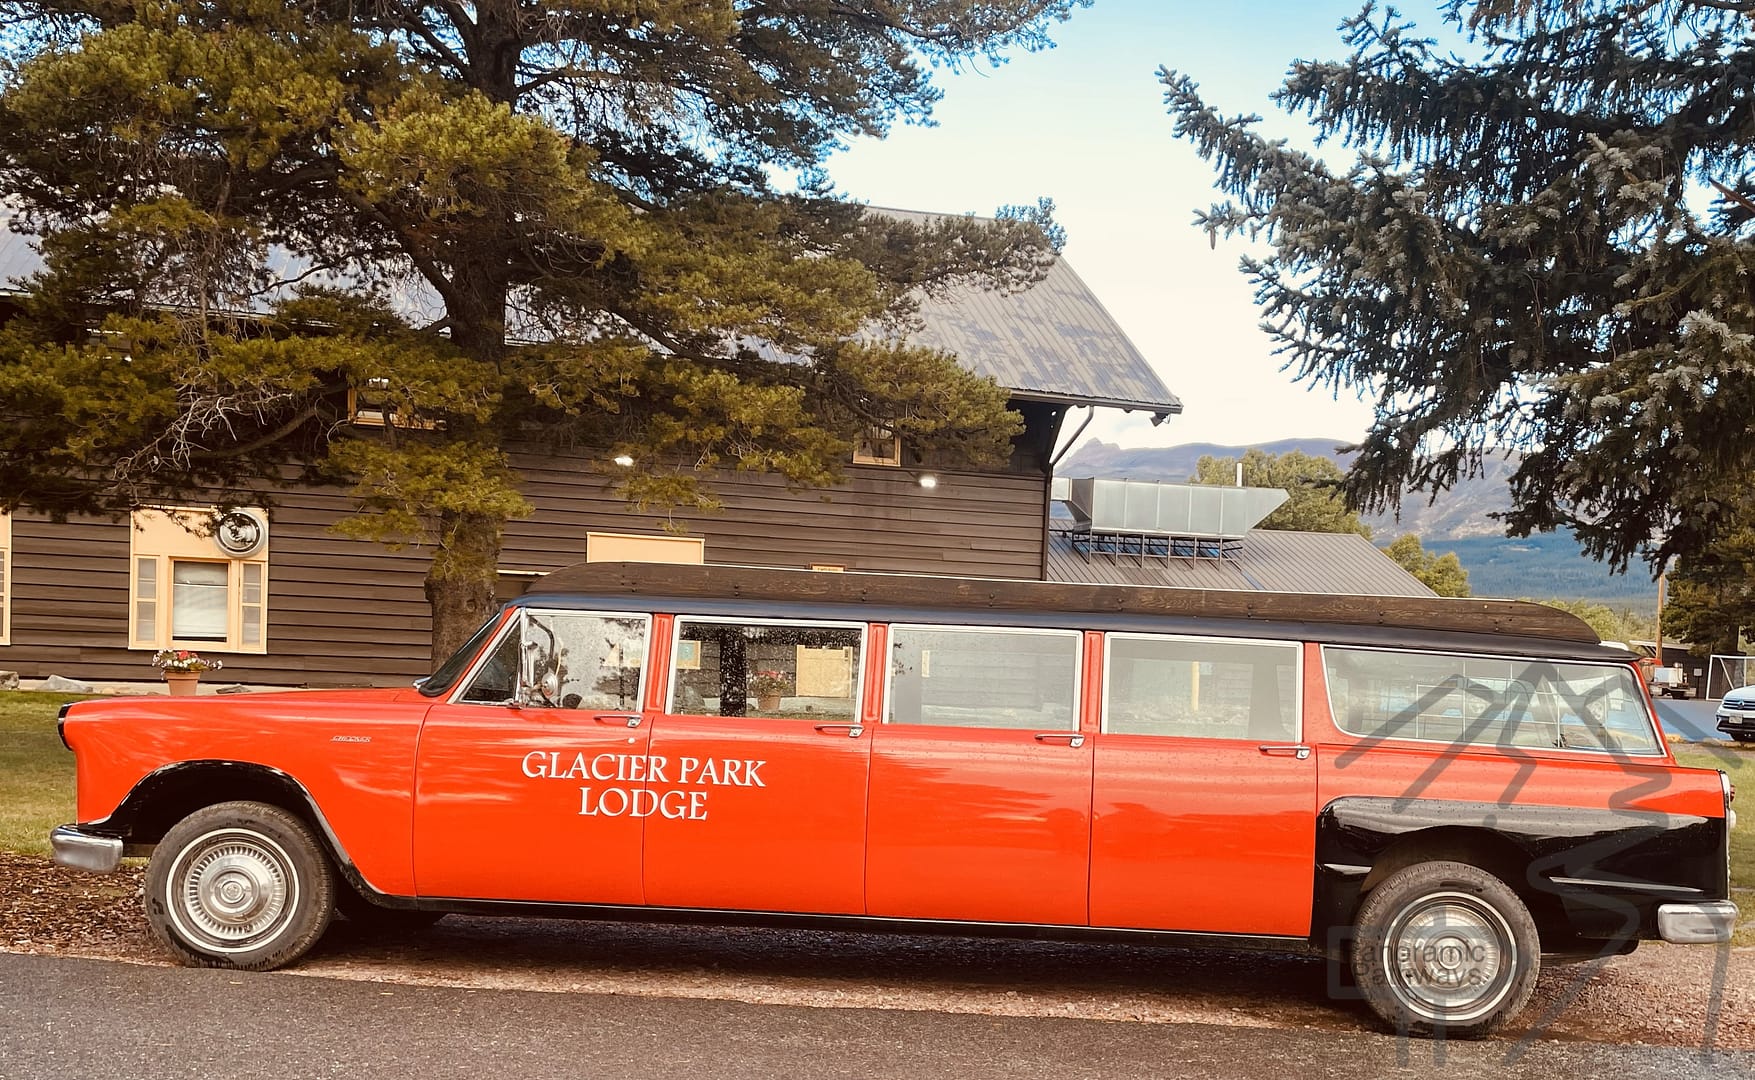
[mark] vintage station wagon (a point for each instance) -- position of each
(1435, 792)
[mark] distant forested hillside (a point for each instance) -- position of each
(1459, 520)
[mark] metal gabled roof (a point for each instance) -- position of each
(1054, 340)
(1267, 560)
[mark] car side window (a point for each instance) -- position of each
(780, 670)
(1201, 688)
(565, 660)
(977, 677)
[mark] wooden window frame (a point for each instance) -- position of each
(147, 544)
(864, 454)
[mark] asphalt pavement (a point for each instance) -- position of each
(1692, 719)
(70, 1018)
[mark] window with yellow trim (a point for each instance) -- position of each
(189, 590)
(5, 578)
(878, 445)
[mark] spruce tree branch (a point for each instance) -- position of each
(304, 416)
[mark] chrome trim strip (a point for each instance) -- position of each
(1710, 923)
(84, 851)
(1633, 886)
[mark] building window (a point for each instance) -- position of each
(372, 405)
(5, 579)
(190, 591)
(877, 446)
(632, 547)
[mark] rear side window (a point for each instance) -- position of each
(955, 677)
(1201, 688)
(1488, 701)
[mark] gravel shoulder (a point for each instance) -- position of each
(1659, 996)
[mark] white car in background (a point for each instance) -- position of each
(1736, 714)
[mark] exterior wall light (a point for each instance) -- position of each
(624, 461)
(928, 481)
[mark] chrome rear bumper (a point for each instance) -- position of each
(1709, 923)
(85, 851)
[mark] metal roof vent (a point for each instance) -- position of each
(1142, 518)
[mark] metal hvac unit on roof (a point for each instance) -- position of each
(1146, 519)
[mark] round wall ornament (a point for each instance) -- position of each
(240, 533)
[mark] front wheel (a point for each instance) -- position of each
(1445, 946)
(239, 885)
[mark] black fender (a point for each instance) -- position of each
(1595, 874)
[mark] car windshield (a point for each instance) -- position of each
(451, 670)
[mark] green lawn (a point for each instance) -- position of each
(1740, 764)
(36, 771)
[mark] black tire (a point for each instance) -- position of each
(1445, 946)
(239, 885)
(361, 912)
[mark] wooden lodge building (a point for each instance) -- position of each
(284, 600)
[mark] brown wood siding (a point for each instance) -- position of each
(347, 612)
(881, 519)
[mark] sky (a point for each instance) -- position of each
(1084, 124)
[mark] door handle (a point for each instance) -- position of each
(626, 719)
(1071, 738)
(1286, 750)
(852, 731)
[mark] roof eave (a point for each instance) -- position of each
(1160, 410)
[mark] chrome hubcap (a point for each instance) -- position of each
(1450, 957)
(233, 890)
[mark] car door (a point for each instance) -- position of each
(761, 750)
(981, 778)
(528, 774)
(1204, 800)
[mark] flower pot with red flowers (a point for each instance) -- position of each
(182, 670)
(767, 687)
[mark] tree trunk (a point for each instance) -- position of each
(463, 581)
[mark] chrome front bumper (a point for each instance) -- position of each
(84, 851)
(1709, 923)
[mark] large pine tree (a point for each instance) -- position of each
(240, 202)
(1538, 243)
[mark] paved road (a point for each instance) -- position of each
(1691, 719)
(67, 1018)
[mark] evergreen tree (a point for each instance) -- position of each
(240, 200)
(1316, 503)
(1711, 603)
(1443, 574)
(1543, 245)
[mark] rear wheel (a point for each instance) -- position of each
(239, 885)
(1445, 946)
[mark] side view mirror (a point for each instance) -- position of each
(544, 693)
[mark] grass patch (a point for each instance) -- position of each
(36, 771)
(1740, 764)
